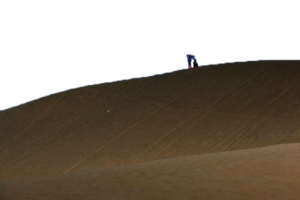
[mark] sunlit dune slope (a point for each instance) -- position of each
(189, 112)
(263, 173)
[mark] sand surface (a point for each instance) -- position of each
(229, 131)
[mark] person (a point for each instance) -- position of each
(195, 63)
(190, 58)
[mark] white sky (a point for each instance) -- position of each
(55, 45)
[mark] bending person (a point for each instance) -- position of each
(190, 58)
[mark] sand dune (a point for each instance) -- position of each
(170, 118)
(263, 173)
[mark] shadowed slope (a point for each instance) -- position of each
(188, 112)
(263, 173)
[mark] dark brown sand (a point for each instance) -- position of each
(228, 131)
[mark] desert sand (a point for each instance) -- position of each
(228, 131)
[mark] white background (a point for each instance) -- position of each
(49, 46)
